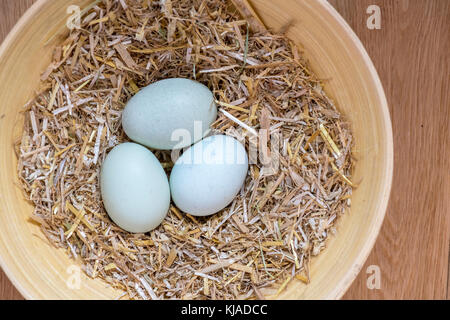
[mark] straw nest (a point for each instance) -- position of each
(283, 215)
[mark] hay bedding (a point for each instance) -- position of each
(280, 219)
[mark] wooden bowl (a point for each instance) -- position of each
(40, 271)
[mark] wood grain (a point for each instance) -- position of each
(10, 12)
(334, 52)
(410, 53)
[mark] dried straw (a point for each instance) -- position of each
(279, 220)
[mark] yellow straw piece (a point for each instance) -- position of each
(110, 266)
(283, 285)
(82, 86)
(53, 97)
(133, 86)
(79, 216)
(171, 258)
(330, 143)
(104, 19)
(342, 175)
(144, 242)
(224, 104)
(157, 49)
(302, 278)
(272, 243)
(64, 150)
(205, 287)
(313, 136)
(51, 140)
(109, 63)
(76, 213)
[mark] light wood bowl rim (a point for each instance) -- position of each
(11, 269)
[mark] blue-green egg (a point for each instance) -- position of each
(160, 115)
(208, 175)
(134, 188)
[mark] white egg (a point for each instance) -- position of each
(134, 188)
(207, 177)
(168, 114)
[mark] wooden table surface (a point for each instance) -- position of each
(411, 53)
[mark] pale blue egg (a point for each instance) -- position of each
(208, 176)
(134, 188)
(164, 114)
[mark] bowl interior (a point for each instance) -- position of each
(40, 271)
